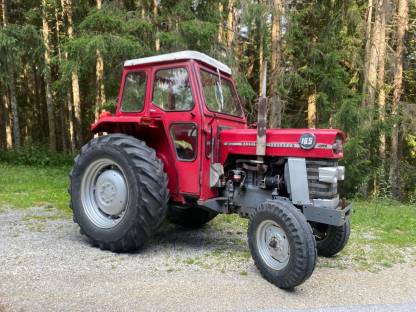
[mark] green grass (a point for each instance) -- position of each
(390, 222)
(28, 186)
(383, 234)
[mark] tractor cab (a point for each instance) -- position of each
(178, 103)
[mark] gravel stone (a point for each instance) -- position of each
(46, 265)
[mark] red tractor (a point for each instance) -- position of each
(179, 147)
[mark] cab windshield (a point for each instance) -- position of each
(220, 95)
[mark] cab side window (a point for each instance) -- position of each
(185, 138)
(172, 90)
(134, 92)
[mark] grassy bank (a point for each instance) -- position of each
(28, 186)
(383, 231)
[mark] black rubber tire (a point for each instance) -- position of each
(190, 217)
(330, 239)
(302, 243)
(147, 189)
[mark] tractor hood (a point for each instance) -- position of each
(306, 143)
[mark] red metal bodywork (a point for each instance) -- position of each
(280, 142)
(230, 134)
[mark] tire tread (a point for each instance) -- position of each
(153, 187)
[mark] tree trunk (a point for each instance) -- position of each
(62, 115)
(4, 16)
(220, 25)
(230, 23)
(141, 5)
(6, 101)
(7, 122)
(71, 125)
(261, 61)
(369, 97)
(2, 121)
(312, 110)
(26, 132)
(74, 109)
(38, 101)
(15, 115)
(402, 16)
(99, 74)
(120, 4)
(62, 111)
(276, 103)
(367, 49)
(3, 115)
(380, 76)
(155, 17)
(48, 78)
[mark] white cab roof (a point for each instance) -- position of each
(182, 55)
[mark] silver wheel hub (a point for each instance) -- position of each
(111, 192)
(104, 193)
(273, 245)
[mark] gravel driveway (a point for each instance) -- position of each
(46, 265)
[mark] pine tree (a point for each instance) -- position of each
(100, 97)
(402, 19)
(48, 78)
(276, 106)
(74, 109)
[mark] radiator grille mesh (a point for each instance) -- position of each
(319, 189)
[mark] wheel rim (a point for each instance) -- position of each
(104, 193)
(273, 245)
(320, 232)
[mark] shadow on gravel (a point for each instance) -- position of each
(207, 236)
(170, 236)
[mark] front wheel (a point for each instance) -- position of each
(281, 244)
(331, 239)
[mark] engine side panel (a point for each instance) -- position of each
(280, 142)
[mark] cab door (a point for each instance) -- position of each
(221, 109)
(174, 100)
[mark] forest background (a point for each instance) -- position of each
(341, 64)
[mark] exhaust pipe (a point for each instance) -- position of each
(262, 116)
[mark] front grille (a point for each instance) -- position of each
(318, 189)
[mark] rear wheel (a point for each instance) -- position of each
(282, 244)
(191, 217)
(118, 192)
(330, 239)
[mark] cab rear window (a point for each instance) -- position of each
(134, 92)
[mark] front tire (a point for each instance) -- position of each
(118, 192)
(330, 239)
(281, 244)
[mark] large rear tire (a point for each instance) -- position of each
(191, 217)
(330, 239)
(281, 244)
(118, 192)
